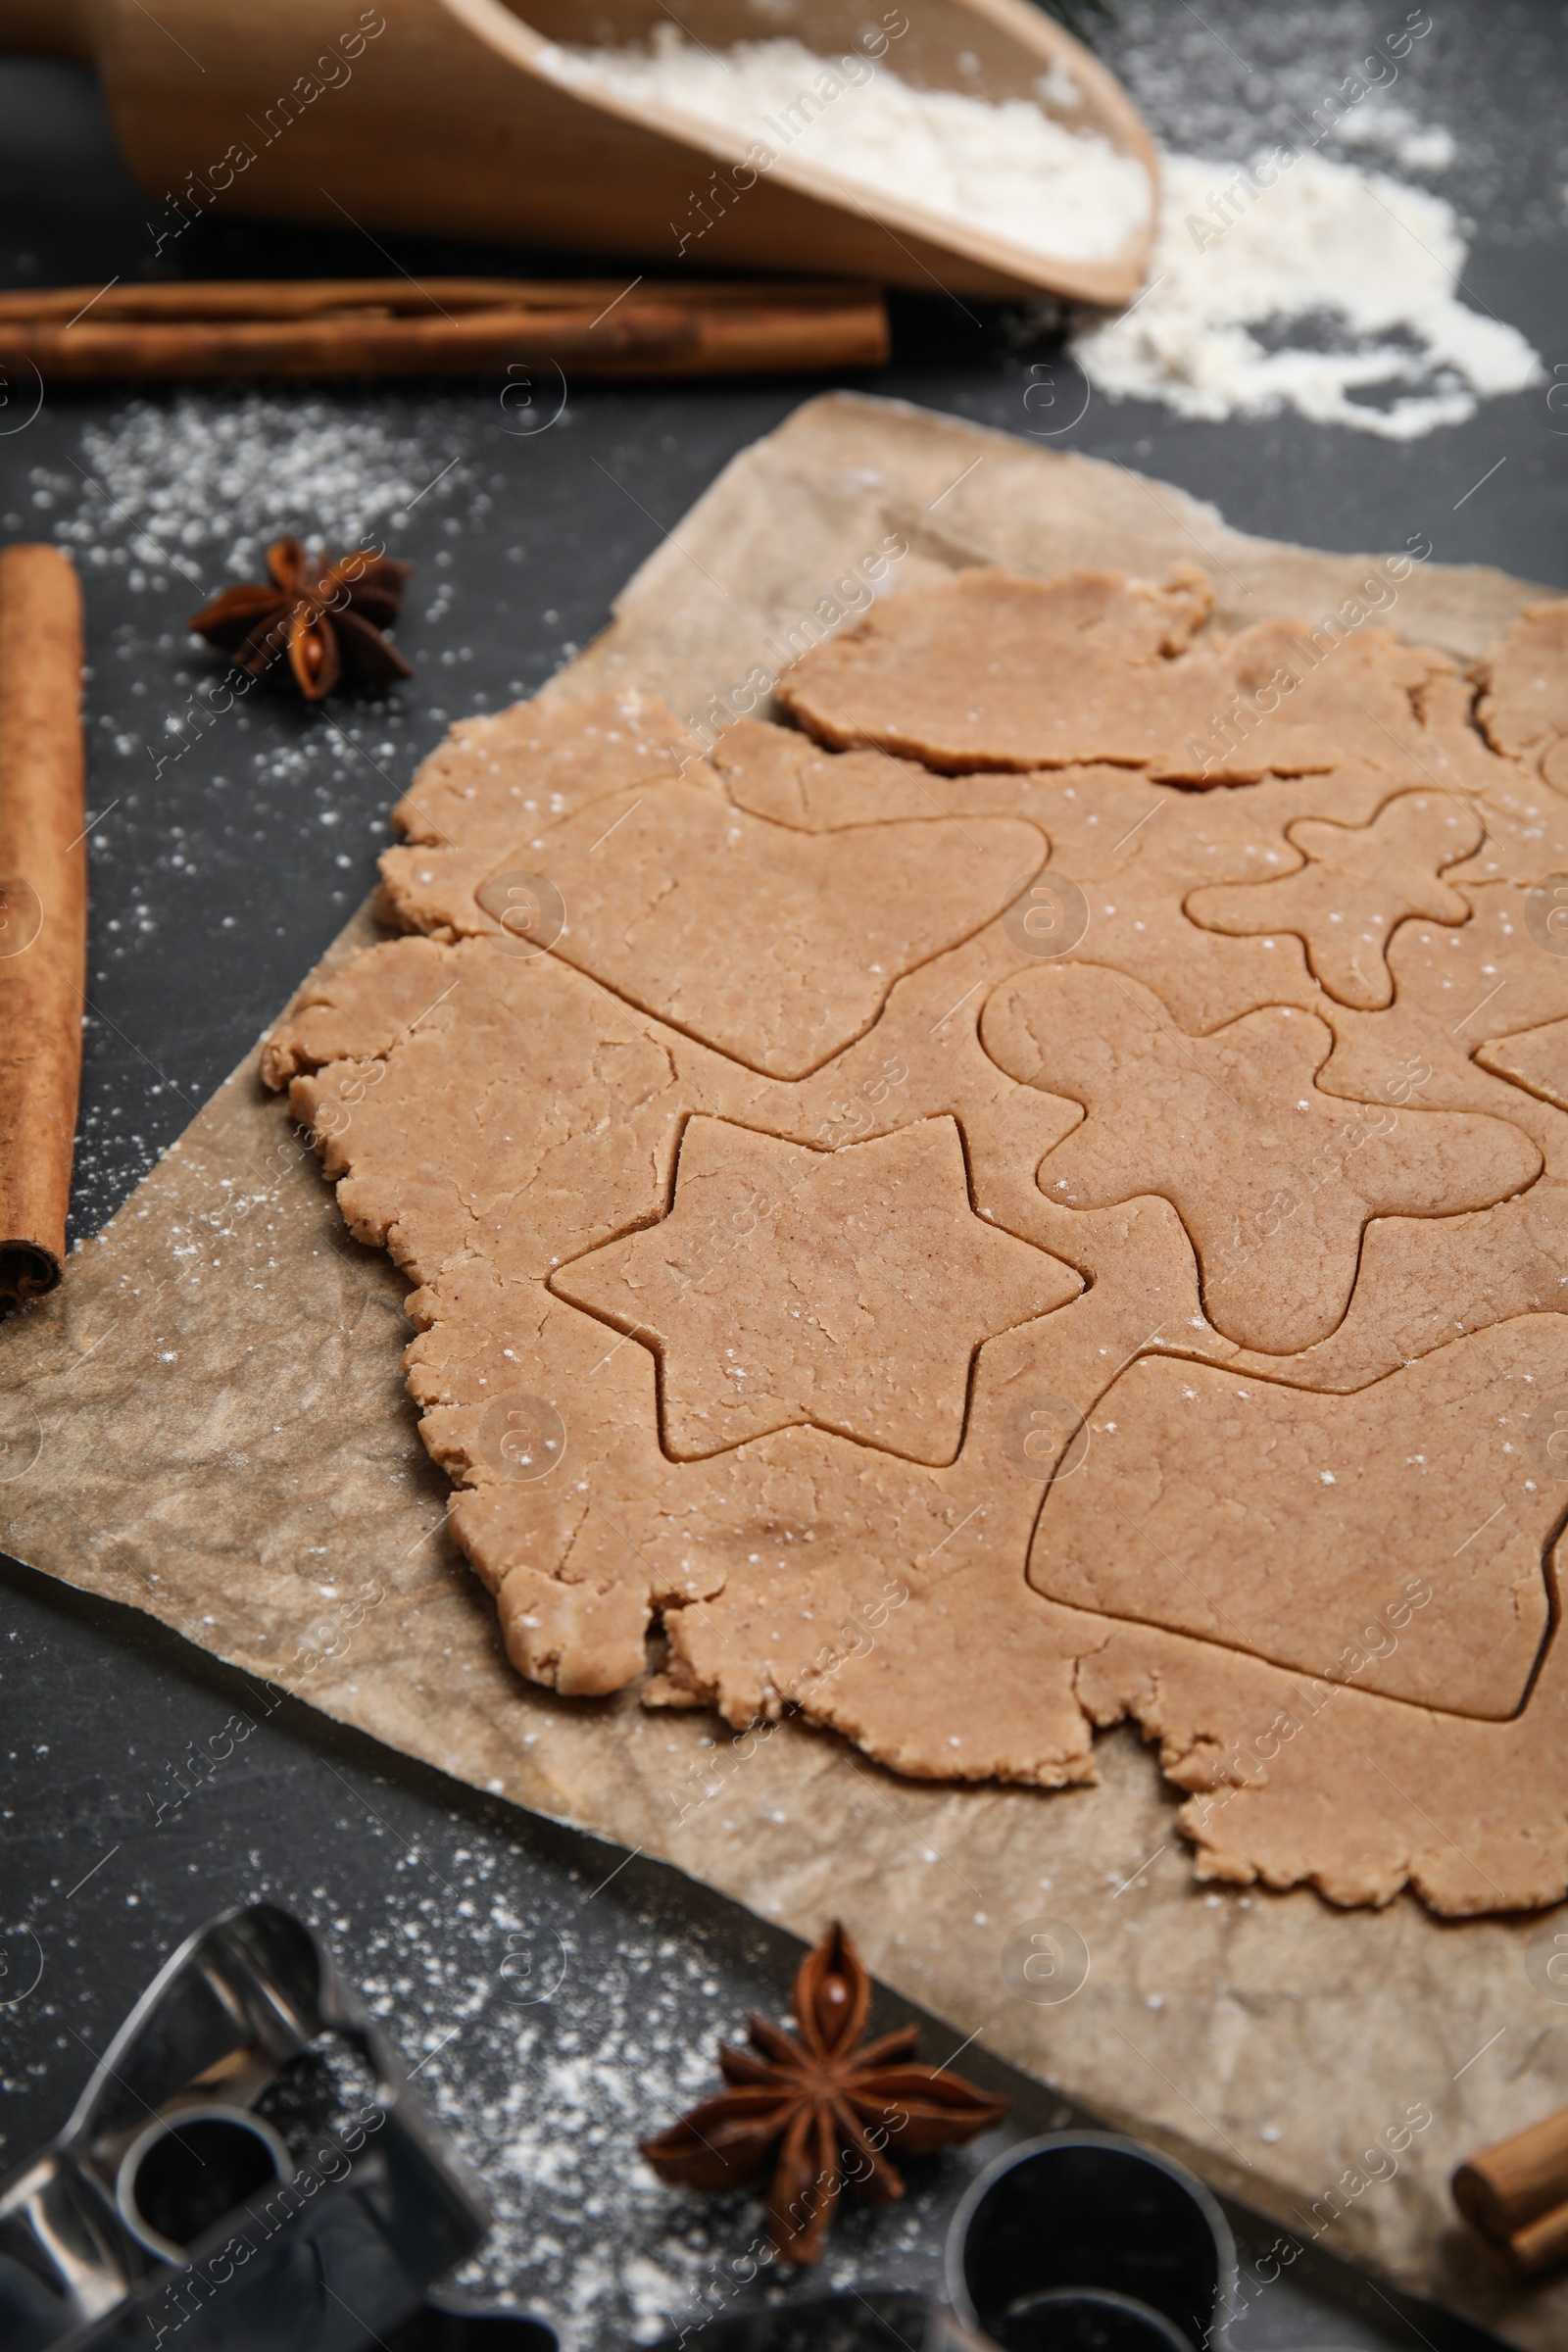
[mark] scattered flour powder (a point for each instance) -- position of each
(1368, 264)
(1415, 146)
(1007, 169)
(202, 481)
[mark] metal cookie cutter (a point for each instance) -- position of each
(1087, 2242)
(245, 2169)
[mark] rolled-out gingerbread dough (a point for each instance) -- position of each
(208, 1421)
(1068, 1132)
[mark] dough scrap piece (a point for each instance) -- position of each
(1456, 991)
(498, 784)
(779, 774)
(1526, 840)
(1533, 1058)
(1275, 1181)
(585, 1640)
(1298, 1781)
(361, 1012)
(1425, 1482)
(869, 1284)
(992, 670)
(1354, 886)
(1523, 710)
(514, 1128)
(516, 1115)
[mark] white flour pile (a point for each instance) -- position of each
(1006, 169)
(1303, 285)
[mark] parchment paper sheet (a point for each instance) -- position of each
(209, 1422)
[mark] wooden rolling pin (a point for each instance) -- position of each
(1515, 2195)
(442, 326)
(43, 911)
(447, 117)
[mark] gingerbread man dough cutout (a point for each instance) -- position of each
(1274, 1181)
(1355, 883)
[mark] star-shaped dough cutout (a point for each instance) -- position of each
(1355, 883)
(843, 1290)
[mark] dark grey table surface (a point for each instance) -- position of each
(219, 877)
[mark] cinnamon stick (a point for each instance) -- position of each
(444, 327)
(43, 911)
(308, 297)
(1515, 2194)
(1542, 2243)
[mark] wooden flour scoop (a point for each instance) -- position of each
(444, 119)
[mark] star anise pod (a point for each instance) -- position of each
(820, 2107)
(327, 617)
